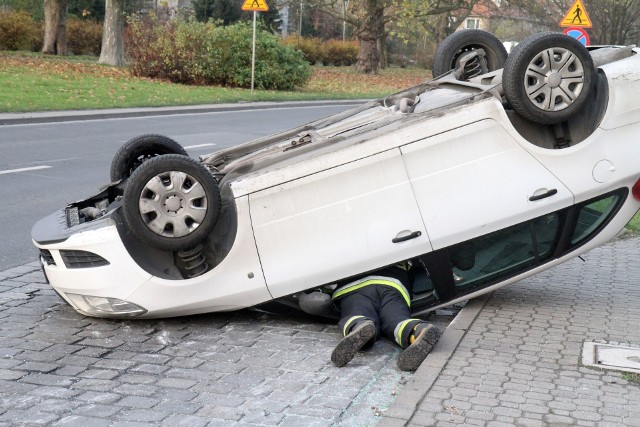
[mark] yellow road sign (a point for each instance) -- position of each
(255, 5)
(577, 16)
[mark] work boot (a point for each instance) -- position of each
(362, 333)
(423, 337)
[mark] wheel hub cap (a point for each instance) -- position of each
(173, 205)
(554, 80)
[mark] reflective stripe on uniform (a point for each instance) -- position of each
(349, 322)
(397, 332)
(373, 280)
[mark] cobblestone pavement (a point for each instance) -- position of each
(516, 364)
(248, 368)
(520, 361)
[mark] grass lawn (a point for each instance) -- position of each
(634, 224)
(34, 82)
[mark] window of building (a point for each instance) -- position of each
(473, 23)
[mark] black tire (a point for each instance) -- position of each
(447, 56)
(139, 149)
(171, 202)
(548, 78)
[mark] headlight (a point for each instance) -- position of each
(105, 307)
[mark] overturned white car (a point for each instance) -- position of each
(489, 173)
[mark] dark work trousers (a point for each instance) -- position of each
(382, 304)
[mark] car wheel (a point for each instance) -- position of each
(548, 77)
(139, 149)
(455, 46)
(171, 202)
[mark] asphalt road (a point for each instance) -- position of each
(45, 166)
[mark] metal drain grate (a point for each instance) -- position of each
(611, 356)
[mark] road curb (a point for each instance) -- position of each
(117, 113)
(407, 401)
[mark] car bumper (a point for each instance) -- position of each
(91, 269)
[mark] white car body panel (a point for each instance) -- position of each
(624, 94)
(348, 208)
(225, 288)
(121, 277)
(458, 180)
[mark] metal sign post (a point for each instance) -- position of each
(253, 53)
(255, 6)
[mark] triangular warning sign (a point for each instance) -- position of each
(255, 5)
(576, 17)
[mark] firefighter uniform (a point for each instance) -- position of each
(380, 304)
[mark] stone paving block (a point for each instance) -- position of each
(8, 374)
(179, 420)
(220, 412)
(177, 407)
(27, 417)
(136, 389)
(140, 402)
(141, 415)
(77, 420)
(96, 385)
(97, 410)
(47, 379)
(137, 378)
(299, 420)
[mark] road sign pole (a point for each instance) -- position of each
(255, 6)
(253, 53)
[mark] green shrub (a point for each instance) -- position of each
(277, 66)
(311, 47)
(200, 53)
(329, 52)
(340, 52)
(18, 31)
(84, 37)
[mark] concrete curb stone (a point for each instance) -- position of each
(64, 116)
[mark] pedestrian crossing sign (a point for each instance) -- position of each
(255, 5)
(576, 17)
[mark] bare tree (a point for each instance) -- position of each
(369, 18)
(614, 21)
(55, 27)
(112, 52)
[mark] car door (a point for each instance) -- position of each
(342, 221)
(477, 179)
(497, 258)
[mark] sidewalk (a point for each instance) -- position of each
(514, 358)
(59, 368)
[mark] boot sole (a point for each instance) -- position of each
(352, 343)
(413, 356)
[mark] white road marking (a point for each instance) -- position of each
(24, 169)
(199, 146)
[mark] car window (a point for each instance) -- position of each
(504, 253)
(591, 216)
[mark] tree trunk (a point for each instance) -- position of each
(368, 34)
(382, 50)
(112, 52)
(55, 27)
